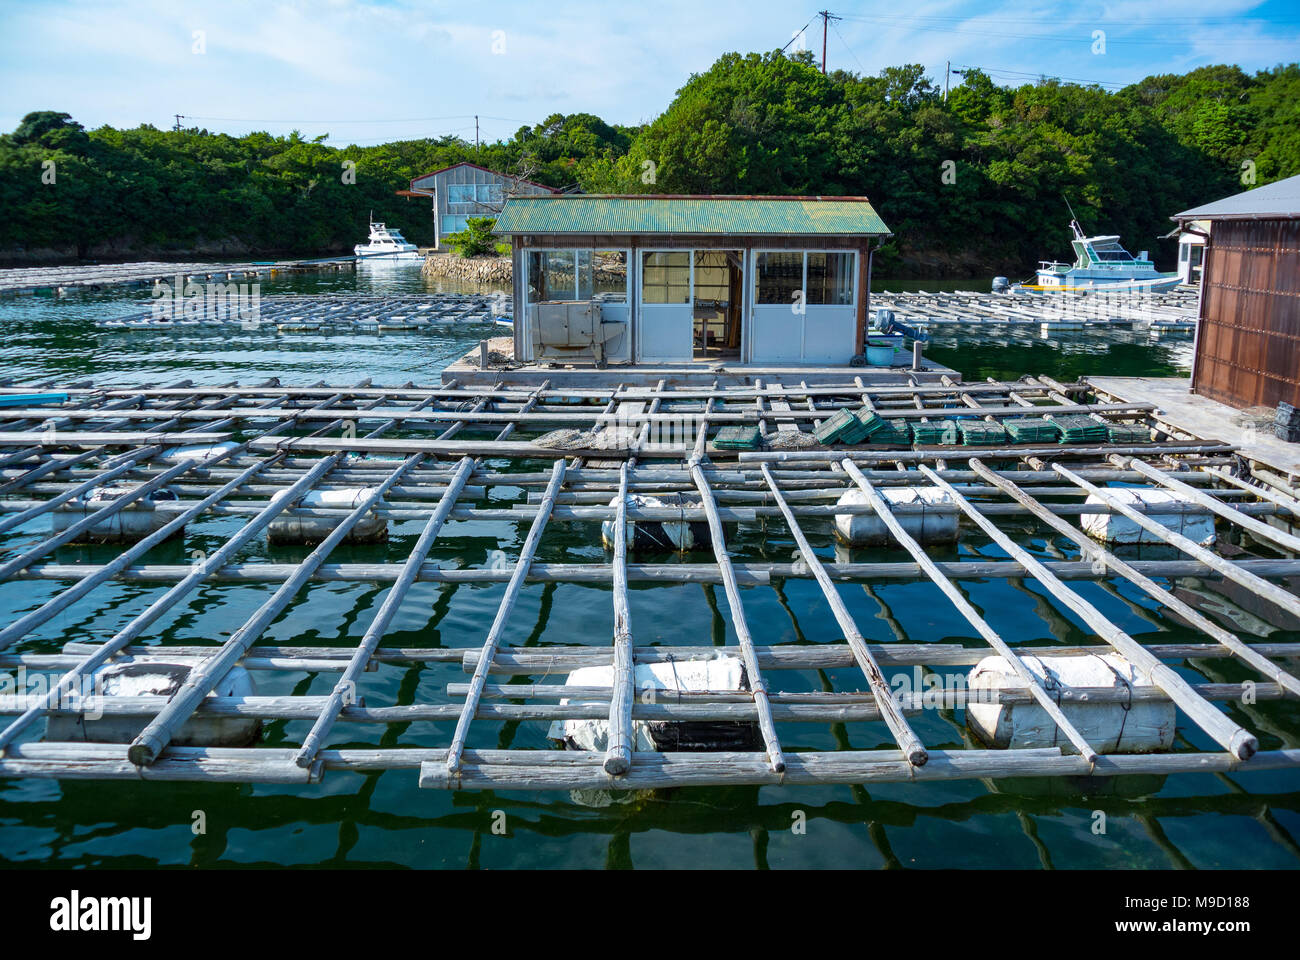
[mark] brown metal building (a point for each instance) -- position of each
(1248, 339)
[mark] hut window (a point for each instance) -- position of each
(582, 261)
(666, 277)
(830, 278)
(488, 192)
(460, 193)
(780, 277)
(551, 275)
(610, 275)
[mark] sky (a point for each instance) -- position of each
(369, 71)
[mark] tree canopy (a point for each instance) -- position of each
(977, 181)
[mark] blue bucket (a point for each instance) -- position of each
(880, 355)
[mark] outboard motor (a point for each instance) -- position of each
(1001, 285)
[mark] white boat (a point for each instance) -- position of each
(1101, 265)
(386, 244)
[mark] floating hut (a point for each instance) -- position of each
(676, 280)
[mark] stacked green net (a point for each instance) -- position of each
(871, 423)
(1128, 432)
(893, 432)
(842, 427)
(982, 433)
(737, 438)
(935, 432)
(1032, 430)
(1079, 428)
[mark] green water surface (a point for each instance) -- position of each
(383, 820)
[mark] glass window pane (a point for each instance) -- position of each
(460, 193)
(584, 274)
(779, 277)
(666, 277)
(610, 275)
(550, 275)
(830, 278)
(449, 225)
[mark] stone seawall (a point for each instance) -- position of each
(475, 269)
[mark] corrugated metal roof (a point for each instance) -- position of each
(781, 216)
(1280, 200)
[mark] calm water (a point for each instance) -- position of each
(385, 820)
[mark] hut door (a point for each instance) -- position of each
(666, 323)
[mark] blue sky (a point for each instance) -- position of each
(366, 71)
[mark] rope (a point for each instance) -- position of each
(1127, 706)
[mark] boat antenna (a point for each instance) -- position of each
(1074, 221)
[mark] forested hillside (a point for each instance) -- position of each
(976, 182)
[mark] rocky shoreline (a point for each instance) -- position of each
(473, 269)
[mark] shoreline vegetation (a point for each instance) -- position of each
(974, 184)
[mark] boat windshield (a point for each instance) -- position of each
(1111, 251)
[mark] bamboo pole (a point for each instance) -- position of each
(1263, 531)
(1032, 681)
(517, 577)
(1211, 720)
(158, 733)
(1231, 571)
(757, 684)
(618, 756)
(902, 731)
(1240, 742)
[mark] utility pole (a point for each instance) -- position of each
(179, 118)
(476, 134)
(827, 17)
(946, 71)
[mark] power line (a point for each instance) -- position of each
(795, 36)
(848, 48)
(1162, 21)
(908, 24)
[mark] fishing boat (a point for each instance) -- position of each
(386, 244)
(1102, 264)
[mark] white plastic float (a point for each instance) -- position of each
(198, 451)
(1124, 726)
(291, 529)
(656, 536)
(133, 522)
(1116, 528)
(723, 674)
(867, 529)
(156, 678)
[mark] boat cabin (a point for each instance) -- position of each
(681, 279)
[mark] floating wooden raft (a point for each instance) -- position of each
(444, 448)
(332, 313)
(1170, 309)
(25, 280)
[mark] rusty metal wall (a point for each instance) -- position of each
(1248, 345)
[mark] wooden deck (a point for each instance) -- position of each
(700, 373)
(1249, 429)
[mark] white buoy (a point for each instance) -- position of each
(289, 529)
(133, 522)
(154, 679)
(724, 674)
(1124, 726)
(657, 536)
(198, 451)
(867, 529)
(1116, 528)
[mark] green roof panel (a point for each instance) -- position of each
(777, 216)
